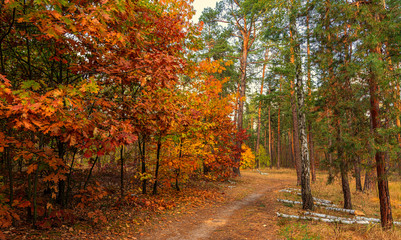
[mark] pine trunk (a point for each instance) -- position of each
(122, 173)
(357, 168)
(278, 139)
(159, 144)
(307, 199)
(312, 159)
(260, 112)
(382, 181)
(242, 89)
(369, 176)
(345, 185)
(297, 153)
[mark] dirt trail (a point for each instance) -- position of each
(249, 213)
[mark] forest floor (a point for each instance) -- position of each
(241, 208)
(249, 212)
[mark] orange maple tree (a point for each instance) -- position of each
(81, 81)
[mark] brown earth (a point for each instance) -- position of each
(248, 213)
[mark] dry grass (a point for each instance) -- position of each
(365, 202)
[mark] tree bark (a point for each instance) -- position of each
(270, 136)
(61, 197)
(312, 159)
(122, 173)
(307, 199)
(159, 144)
(382, 181)
(297, 152)
(357, 168)
(344, 181)
(243, 65)
(278, 139)
(260, 112)
(369, 176)
(142, 150)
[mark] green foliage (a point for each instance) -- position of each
(263, 156)
(297, 231)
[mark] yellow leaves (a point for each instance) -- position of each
(57, 93)
(247, 157)
(228, 63)
(211, 66)
(90, 87)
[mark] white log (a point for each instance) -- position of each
(331, 219)
(298, 202)
(325, 204)
(351, 211)
(323, 219)
(232, 182)
(375, 220)
(262, 173)
(289, 201)
(319, 200)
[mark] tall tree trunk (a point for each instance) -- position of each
(297, 152)
(309, 85)
(307, 199)
(237, 99)
(273, 155)
(122, 173)
(357, 168)
(291, 142)
(343, 167)
(382, 181)
(90, 172)
(35, 194)
(142, 151)
(369, 176)
(330, 178)
(61, 197)
(270, 135)
(345, 185)
(243, 65)
(159, 144)
(69, 176)
(398, 122)
(278, 139)
(312, 159)
(8, 159)
(260, 111)
(178, 170)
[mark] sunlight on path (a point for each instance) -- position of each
(222, 217)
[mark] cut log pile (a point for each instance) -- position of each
(316, 203)
(333, 219)
(261, 173)
(328, 205)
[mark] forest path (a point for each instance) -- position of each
(248, 213)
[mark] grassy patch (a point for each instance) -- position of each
(367, 202)
(298, 231)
